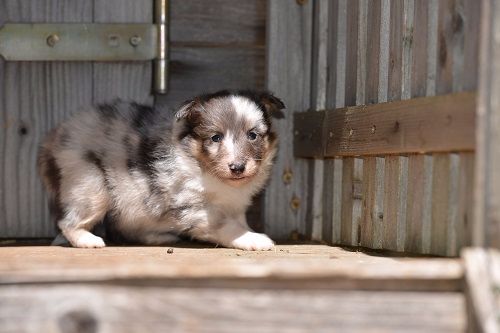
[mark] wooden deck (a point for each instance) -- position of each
(192, 288)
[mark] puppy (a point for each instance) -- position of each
(153, 179)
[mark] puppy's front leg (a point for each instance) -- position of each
(235, 233)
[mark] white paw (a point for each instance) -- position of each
(252, 241)
(88, 240)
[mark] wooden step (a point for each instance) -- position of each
(295, 288)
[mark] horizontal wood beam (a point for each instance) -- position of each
(420, 125)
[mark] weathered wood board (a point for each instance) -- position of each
(419, 125)
(314, 266)
(486, 228)
(225, 290)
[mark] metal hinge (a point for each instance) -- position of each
(91, 42)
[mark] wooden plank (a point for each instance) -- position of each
(394, 224)
(351, 64)
(376, 87)
(486, 230)
(465, 200)
(373, 214)
(347, 200)
(444, 74)
(428, 124)
(419, 49)
(432, 46)
(127, 80)
(418, 181)
(417, 174)
(472, 15)
(318, 96)
(121, 309)
(36, 97)
(394, 190)
(373, 52)
(289, 76)
(337, 201)
(300, 266)
(395, 51)
(361, 20)
(440, 199)
(482, 309)
(237, 23)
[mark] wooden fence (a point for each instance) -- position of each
(334, 54)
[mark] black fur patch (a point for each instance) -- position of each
(92, 158)
(108, 111)
(143, 117)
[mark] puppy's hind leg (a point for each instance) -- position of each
(85, 201)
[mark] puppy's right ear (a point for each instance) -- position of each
(187, 110)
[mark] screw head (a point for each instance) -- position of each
(135, 40)
(302, 2)
(52, 40)
(114, 40)
(374, 129)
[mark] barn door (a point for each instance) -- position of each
(210, 49)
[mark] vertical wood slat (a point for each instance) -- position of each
(127, 80)
(289, 66)
(373, 173)
(318, 101)
(332, 167)
(393, 186)
(36, 96)
(486, 230)
(339, 54)
(416, 166)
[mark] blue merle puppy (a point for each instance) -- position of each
(153, 179)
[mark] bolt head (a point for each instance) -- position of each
(135, 40)
(53, 39)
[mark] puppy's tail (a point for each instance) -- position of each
(50, 173)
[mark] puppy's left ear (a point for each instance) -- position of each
(273, 105)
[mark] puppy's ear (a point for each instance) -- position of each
(273, 105)
(189, 110)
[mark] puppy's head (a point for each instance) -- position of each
(229, 133)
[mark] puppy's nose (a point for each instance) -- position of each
(237, 168)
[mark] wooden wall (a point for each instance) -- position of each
(216, 44)
(365, 52)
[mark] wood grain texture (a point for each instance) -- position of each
(36, 97)
(226, 22)
(429, 124)
(301, 266)
(418, 175)
(127, 80)
(486, 230)
(198, 70)
(318, 96)
(480, 268)
(289, 76)
(440, 201)
(119, 309)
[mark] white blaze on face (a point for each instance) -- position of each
(246, 108)
(229, 147)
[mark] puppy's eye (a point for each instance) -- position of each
(252, 135)
(216, 138)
